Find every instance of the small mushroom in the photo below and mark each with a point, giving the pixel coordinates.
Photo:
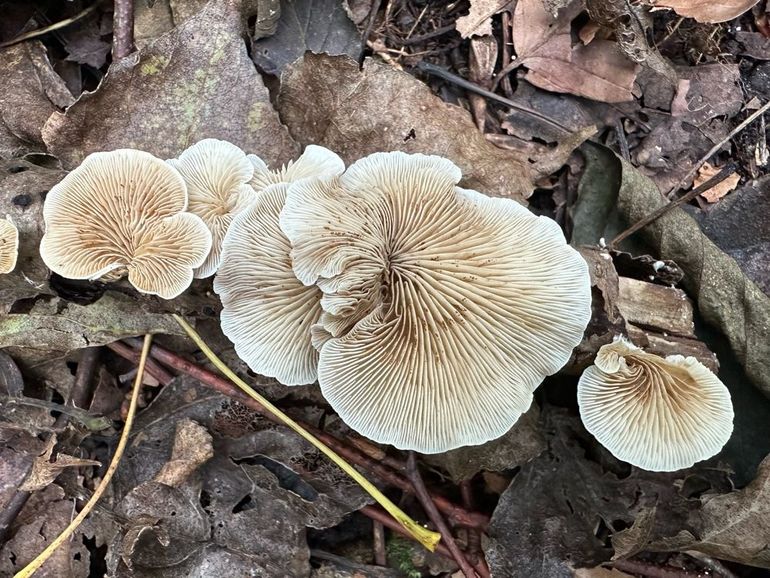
(217, 174)
(123, 212)
(660, 414)
(315, 161)
(443, 308)
(267, 313)
(9, 245)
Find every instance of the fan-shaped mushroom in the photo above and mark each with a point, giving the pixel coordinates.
(9, 245)
(660, 414)
(443, 308)
(267, 313)
(123, 212)
(315, 161)
(217, 174)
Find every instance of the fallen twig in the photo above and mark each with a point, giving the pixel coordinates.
(53, 27)
(433, 514)
(696, 167)
(122, 29)
(726, 171)
(33, 566)
(454, 512)
(434, 70)
(653, 571)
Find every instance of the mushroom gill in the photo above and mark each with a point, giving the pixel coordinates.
(443, 308)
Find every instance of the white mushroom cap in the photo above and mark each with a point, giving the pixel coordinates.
(9, 245)
(217, 174)
(123, 211)
(267, 313)
(443, 308)
(660, 414)
(315, 161)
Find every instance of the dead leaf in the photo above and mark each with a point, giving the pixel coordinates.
(709, 11)
(600, 572)
(327, 100)
(320, 26)
(738, 226)
(23, 187)
(545, 523)
(719, 190)
(44, 471)
(478, 21)
(544, 45)
(194, 82)
(523, 442)
(30, 91)
(192, 448)
(40, 522)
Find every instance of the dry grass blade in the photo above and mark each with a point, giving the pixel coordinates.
(35, 565)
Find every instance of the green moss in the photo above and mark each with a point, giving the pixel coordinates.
(400, 557)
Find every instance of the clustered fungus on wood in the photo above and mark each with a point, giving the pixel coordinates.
(428, 313)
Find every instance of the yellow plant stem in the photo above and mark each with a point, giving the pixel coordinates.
(424, 536)
(35, 565)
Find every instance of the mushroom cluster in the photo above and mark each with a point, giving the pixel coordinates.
(428, 313)
(660, 414)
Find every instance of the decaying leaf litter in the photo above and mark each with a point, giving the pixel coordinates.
(594, 114)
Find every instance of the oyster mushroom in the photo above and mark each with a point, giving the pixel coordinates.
(9, 245)
(315, 161)
(266, 312)
(443, 308)
(122, 212)
(217, 175)
(660, 414)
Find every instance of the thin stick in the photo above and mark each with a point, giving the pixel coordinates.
(696, 167)
(378, 543)
(35, 565)
(423, 535)
(455, 513)
(653, 571)
(433, 514)
(56, 26)
(713, 564)
(153, 368)
(369, 27)
(123, 29)
(434, 70)
(84, 375)
(715, 180)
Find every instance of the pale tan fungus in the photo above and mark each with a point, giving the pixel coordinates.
(315, 161)
(122, 212)
(9, 245)
(217, 174)
(443, 308)
(266, 312)
(659, 414)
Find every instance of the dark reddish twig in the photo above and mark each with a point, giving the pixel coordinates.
(153, 368)
(378, 541)
(433, 514)
(122, 29)
(456, 513)
(84, 376)
(726, 171)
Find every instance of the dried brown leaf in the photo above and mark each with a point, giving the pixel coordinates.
(478, 21)
(30, 91)
(44, 471)
(719, 190)
(194, 82)
(328, 101)
(544, 45)
(710, 11)
(192, 448)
